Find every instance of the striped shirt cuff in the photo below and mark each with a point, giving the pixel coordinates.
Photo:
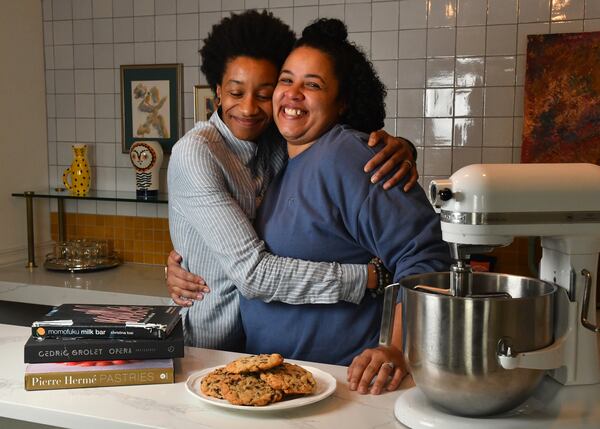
(354, 282)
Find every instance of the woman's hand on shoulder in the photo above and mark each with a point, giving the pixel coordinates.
(184, 287)
(397, 155)
(384, 366)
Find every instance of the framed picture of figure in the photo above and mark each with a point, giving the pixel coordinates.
(151, 104)
(204, 103)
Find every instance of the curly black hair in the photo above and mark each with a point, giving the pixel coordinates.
(359, 86)
(253, 34)
(258, 35)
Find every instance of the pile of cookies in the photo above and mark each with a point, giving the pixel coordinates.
(258, 380)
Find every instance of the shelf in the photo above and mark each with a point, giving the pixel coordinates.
(62, 194)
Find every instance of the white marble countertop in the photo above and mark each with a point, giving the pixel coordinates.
(170, 405)
(126, 284)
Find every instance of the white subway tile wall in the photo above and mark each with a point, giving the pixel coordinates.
(454, 70)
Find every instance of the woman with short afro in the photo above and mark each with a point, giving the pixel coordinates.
(216, 179)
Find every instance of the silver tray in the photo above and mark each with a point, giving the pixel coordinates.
(56, 264)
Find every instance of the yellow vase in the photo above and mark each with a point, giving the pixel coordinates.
(77, 177)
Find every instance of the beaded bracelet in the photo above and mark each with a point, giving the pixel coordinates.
(384, 277)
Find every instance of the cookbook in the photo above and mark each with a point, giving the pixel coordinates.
(107, 321)
(69, 375)
(71, 349)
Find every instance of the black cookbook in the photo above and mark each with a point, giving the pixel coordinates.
(107, 321)
(92, 349)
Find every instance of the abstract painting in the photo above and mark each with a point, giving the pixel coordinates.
(204, 103)
(151, 104)
(562, 99)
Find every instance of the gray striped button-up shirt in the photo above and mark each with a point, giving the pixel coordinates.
(212, 202)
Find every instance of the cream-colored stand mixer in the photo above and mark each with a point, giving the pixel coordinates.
(480, 348)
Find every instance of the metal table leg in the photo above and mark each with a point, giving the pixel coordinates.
(30, 240)
(61, 219)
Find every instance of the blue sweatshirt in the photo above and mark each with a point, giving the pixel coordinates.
(322, 207)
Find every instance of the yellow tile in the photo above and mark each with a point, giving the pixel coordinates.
(161, 258)
(167, 247)
(108, 231)
(157, 236)
(119, 221)
(128, 245)
(118, 244)
(129, 222)
(147, 222)
(109, 220)
(118, 233)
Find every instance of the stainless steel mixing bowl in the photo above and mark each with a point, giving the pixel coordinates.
(451, 343)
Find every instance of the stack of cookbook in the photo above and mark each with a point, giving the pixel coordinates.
(87, 345)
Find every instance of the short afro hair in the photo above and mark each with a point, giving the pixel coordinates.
(253, 34)
(359, 86)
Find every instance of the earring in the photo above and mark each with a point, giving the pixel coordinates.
(217, 101)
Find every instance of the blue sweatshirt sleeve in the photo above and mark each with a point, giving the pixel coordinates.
(399, 227)
(403, 230)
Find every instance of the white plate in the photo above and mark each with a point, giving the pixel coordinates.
(326, 385)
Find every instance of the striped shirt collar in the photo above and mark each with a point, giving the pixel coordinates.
(245, 150)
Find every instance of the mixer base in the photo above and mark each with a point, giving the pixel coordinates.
(552, 405)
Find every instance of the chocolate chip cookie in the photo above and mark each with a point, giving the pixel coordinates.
(249, 389)
(292, 379)
(211, 383)
(254, 363)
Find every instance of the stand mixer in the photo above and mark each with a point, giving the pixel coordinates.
(493, 337)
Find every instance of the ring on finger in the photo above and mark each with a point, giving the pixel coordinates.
(389, 364)
(409, 162)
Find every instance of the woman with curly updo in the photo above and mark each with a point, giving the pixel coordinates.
(217, 174)
(321, 208)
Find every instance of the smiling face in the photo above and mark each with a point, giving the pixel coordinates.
(305, 101)
(142, 156)
(246, 93)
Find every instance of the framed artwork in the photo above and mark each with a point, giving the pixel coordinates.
(151, 104)
(204, 103)
(562, 98)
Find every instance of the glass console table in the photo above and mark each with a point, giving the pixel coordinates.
(61, 194)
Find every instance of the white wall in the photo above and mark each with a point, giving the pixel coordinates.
(454, 70)
(23, 140)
